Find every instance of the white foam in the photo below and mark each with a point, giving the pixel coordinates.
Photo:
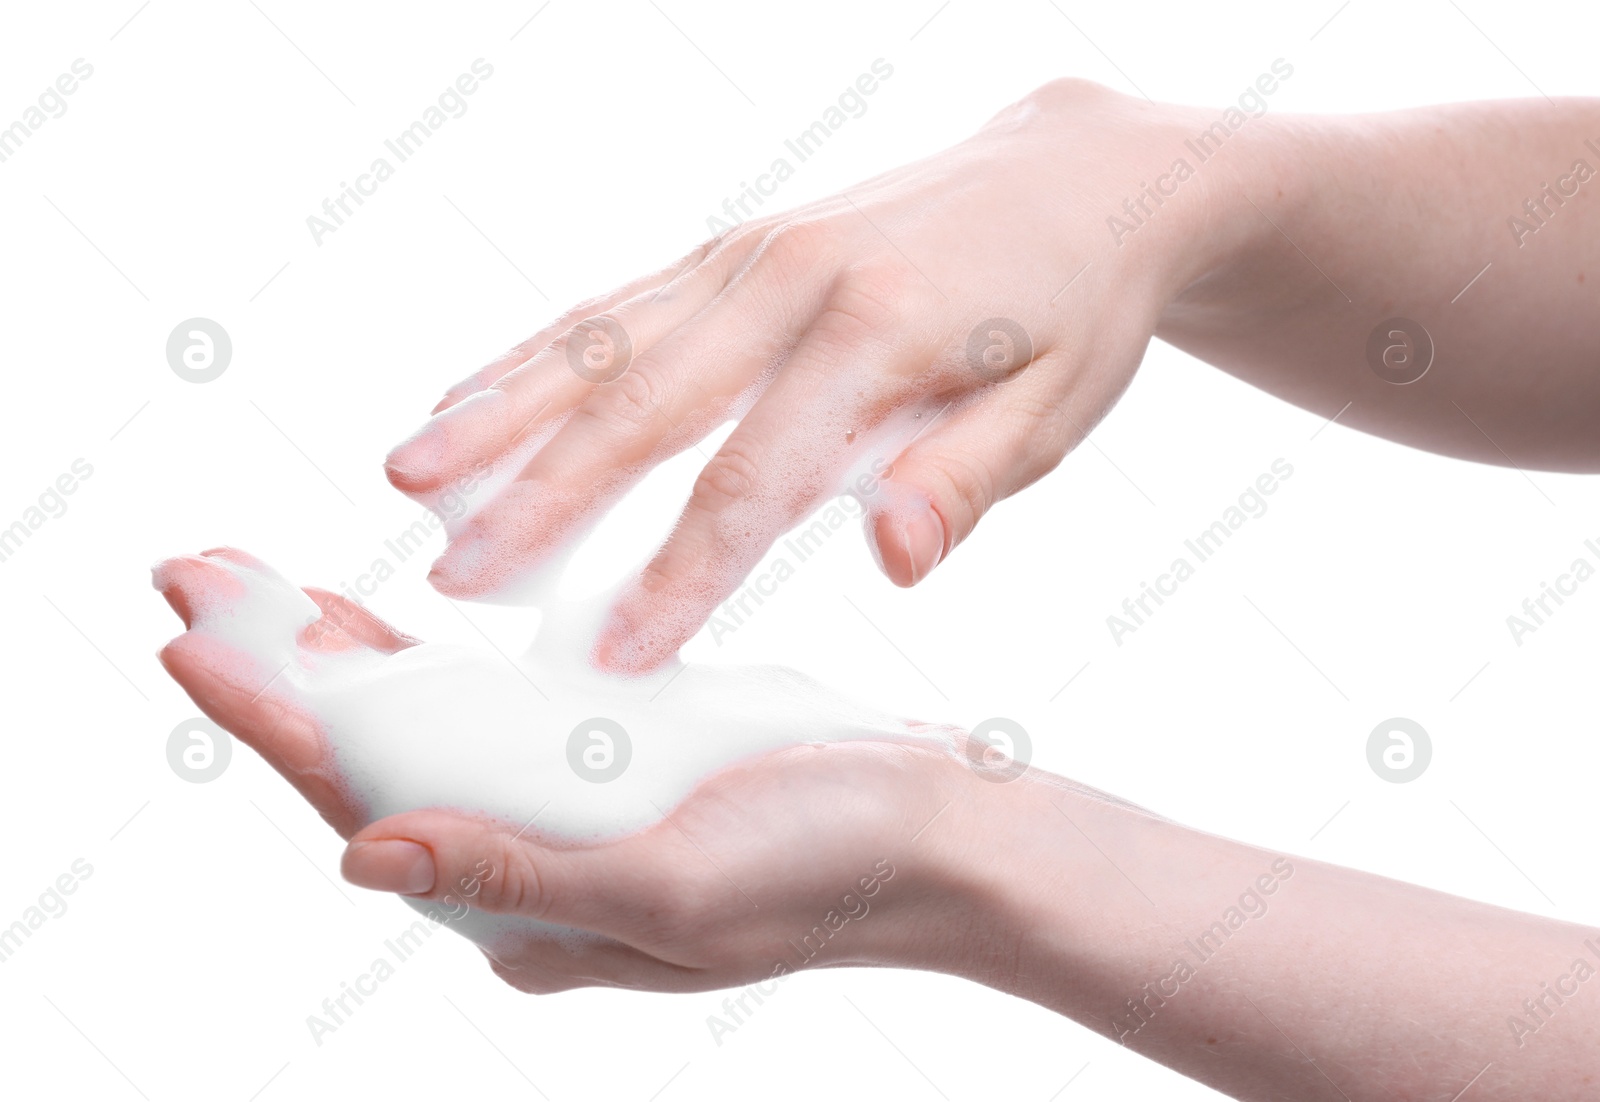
(440, 724)
(464, 727)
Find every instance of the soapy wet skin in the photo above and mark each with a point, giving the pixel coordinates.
(368, 722)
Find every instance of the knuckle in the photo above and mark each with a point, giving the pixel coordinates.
(1048, 435)
(968, 484)
(873, 298)
(746, 238)
(794, 248)
(512, 885)
(1068, 86)
(1048, 427)
(587, 308)
(1044, 419)
(1064, 91)
(629, 401)
(711, 248)
(698, 255)
(731, 476)
(1065, 97)
(564, 326)
(597, 348)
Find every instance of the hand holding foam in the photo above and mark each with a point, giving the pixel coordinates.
(474, 768)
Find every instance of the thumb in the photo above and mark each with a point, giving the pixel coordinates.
(946, 480)
(494, 866)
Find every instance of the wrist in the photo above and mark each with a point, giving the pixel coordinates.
(1256, 187)
(1160, 193)
(1006, 880)
(1068, 888)
(1248, 186)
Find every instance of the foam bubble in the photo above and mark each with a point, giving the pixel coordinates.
(533, 740)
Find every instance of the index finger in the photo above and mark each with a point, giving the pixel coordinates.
(535, 392)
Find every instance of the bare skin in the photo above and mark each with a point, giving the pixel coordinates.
(1262, 975)
(1276, 260)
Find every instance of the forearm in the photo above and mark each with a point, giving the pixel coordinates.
(1269, 976)
(1361, 219)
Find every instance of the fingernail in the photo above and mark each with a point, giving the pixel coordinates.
(415, 462)
(389, 865)
(401, 470)
(458, 572)
(610, 651)
(924, 540)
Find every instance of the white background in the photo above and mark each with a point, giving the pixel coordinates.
(210, 927)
